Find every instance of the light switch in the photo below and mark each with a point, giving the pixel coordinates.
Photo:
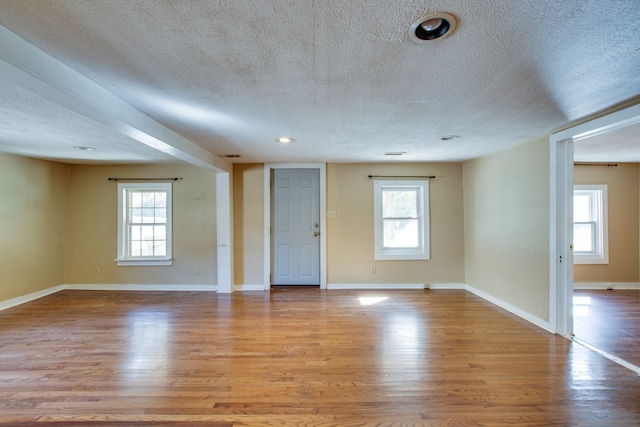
(332, 214)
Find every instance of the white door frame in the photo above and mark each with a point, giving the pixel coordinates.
(561, 209)
(561, 256)
(268, 167)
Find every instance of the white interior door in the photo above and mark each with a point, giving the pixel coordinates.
(296, 227)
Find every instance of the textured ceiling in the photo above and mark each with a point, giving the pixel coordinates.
(620, 145)
(33, 126)
(341, 77)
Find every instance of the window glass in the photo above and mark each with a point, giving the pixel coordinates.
(590, 229)
(402, 233)
(399, 203)
(144, 236)
(583, 237)
(581, 208)
(401, 219)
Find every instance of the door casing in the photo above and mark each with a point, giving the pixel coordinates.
(268, 167)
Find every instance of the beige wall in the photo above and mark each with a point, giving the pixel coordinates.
(33, 199)
(622, 193)
(350, 235)
(248, 223)
(350, 244)
(92, 219)
(506, 223)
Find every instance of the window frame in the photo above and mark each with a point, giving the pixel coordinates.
(599, 207)
(123, 257)
(422, 252)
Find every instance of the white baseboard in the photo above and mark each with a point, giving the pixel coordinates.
(461, 286)
(249, 287)
(606, 285)
(364, 286)
(139, 287)
(512, 309)
(29, 297)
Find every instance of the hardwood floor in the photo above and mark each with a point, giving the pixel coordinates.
(298, 357)
(610, 321)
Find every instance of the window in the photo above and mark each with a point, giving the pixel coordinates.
(401, 210)
(590, 237)
(144, 224)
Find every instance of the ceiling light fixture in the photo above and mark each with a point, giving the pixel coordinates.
(285, 140)
(449, 137)
(395, 153)
(84, 148)
(434, 26)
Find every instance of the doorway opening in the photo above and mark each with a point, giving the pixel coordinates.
(565, 310)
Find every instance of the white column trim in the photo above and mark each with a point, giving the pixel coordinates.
(224, 252)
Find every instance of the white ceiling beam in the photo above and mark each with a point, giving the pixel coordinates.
(26, 65)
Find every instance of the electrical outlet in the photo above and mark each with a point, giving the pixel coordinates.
(196, 271)
(96, 270)
(372, 269)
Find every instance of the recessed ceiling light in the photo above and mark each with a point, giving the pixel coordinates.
(449, 137)
(84, 148)
(434, 26)
(285, 140)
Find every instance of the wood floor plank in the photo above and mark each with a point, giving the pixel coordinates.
(300, 357)
(610, 321)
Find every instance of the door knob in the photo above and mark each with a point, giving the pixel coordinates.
(316, 233)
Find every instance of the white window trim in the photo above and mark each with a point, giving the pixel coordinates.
(122, 259)
(601, 254)
(423, 250)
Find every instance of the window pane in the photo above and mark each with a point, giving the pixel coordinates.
(134, 232)
(148, 215)
(159, 232)
(146, 232)
(135, 216)
(160, 248)
(161, 215)
(400, 233)
(583, 237)
(581, 208)
(148, 200)
(399, 203)
(134, 248)
(161, 199)
(146, 248)
(136, 199)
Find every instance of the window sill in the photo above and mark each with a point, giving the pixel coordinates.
(577, 259)
(143, 262)
(401, 256)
